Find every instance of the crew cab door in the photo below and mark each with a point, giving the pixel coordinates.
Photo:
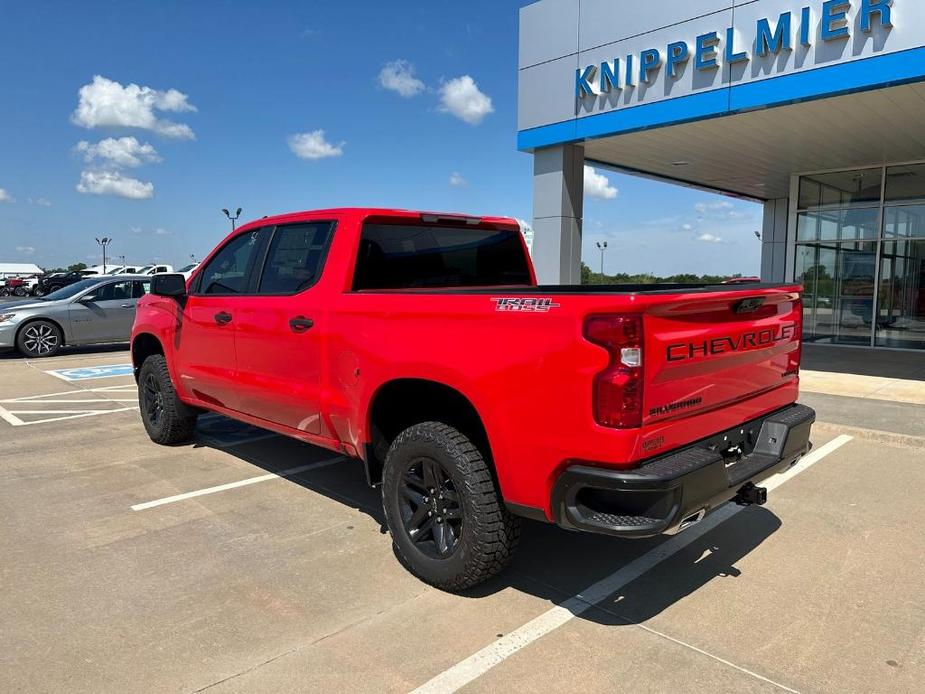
(280, 331)
(206, 352)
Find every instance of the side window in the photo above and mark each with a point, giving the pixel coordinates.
(296, 257)
(229, 272)
(114, 291)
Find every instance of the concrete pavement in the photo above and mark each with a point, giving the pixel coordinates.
(290, 584)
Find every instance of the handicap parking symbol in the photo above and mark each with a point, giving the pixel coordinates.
(87, 373)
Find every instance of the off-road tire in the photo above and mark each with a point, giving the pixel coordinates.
(488, 534)
(166, 419)
(38, 339)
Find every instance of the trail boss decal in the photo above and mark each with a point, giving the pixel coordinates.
(525, 305)
(721, 345)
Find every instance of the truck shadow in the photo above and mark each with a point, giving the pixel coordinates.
(551, 563)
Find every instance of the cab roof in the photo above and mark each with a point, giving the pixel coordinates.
(365, 212)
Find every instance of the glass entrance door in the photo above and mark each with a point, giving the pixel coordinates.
(860, 255)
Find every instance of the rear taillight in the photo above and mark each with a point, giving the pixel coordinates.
(618, 388)
(794, 358)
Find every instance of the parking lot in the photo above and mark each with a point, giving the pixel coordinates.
(249, 562)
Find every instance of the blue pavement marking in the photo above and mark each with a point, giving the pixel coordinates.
(86, 373)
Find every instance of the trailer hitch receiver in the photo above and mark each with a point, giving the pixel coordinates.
(750, 494)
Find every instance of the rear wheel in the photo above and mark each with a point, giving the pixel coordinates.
(448, 523)
(40, 338)
(166, 419)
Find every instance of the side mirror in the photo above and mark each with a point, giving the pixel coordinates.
(172, 285)
(87, 299)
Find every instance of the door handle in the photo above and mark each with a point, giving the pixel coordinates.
(300, 324)
(222, 318)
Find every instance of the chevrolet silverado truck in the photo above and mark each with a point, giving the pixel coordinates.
(421, 344)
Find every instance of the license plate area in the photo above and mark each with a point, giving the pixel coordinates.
(734, 444)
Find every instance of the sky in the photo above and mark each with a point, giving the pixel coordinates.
(140, 121)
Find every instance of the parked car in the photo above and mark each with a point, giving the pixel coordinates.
(154, 269)
(14, 286)
(89, 311)
(188, 270)
(58, 280)
(421, 344)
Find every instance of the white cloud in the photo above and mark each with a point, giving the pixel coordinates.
(41, 202)
(457, 180)
(709, 238)
(6, 197)
(114, 183)
(106, 103)
(687, 227)
(721, 210)
(26, 250)
(718, 206)
(398, 76)
(118, 153)
(313, 145)
(598, 185)
(462, 98)
(160, 231)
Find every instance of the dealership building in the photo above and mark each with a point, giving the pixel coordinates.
(814, 108)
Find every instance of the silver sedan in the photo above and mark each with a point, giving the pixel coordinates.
(91, 311)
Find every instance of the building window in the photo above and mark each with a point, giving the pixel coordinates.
(860, 254)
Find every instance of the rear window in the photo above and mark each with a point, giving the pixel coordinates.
(404, 257)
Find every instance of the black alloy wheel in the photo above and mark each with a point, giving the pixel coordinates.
(153, 409)
(448, 522)
(430, 508)
(166, 418)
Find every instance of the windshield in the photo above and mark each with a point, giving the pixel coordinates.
(70, 290)
(188, 267)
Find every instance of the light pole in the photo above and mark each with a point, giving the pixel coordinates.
(234, 218)
(602, 247)
(105, 241)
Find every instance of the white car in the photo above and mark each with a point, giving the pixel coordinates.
(188, 270)
(155, 269)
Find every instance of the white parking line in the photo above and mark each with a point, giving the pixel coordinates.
(108, 394)
(479, 663)
(234, 485)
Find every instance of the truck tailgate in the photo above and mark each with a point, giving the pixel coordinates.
(711, 350)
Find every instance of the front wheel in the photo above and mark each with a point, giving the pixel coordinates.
(167, 420)
(448, 523)
(39, 338)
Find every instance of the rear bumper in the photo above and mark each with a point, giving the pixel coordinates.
(667, 494)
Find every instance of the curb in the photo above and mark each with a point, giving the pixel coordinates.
(886, 437)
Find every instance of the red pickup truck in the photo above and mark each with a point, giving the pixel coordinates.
(421, 344)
